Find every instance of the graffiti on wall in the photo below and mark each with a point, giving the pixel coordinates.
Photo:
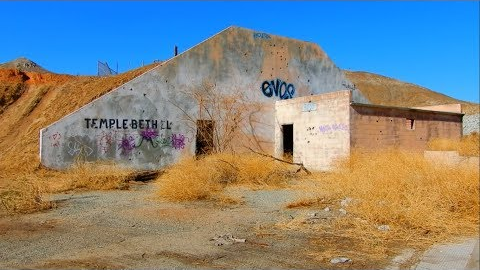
(105, 140)
(78, 148)
(127, 144)
(123, 135)
(112, 123)
(178, 141)
(326, 129)
(55, 139)
(261, 35)
(349, 86)
(278, 88)
(151, 136)
(333, 127)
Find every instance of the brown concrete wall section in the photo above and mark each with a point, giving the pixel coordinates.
(455, 108)
(321, 130)
(380, 127)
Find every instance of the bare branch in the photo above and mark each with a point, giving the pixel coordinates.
(281, 160)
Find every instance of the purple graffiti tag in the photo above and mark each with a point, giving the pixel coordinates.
(333, 127)
(105, 141)
(149, 134)
(55, 139)
(325, 128)
(127, 144)
(178, 141)
(339, 127)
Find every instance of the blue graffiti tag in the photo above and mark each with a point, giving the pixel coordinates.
(279, 88)
(261, 35)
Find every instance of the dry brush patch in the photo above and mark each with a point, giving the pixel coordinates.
(23, 195)
(468, 145)
(421, 203)
(26, 192)
(206, 178)
(97, 176)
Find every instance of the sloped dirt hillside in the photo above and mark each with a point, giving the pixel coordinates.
(390, 92)
(30, 101)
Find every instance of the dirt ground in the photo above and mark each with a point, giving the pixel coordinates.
(132, 229)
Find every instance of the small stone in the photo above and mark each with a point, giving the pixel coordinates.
(227, 239)
(346, 201)
(340, 260)
(383, 228)
(313, 215)
(342, 211)
(239, 240)
(326, 209)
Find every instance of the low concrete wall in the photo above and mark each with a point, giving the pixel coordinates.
(376, 127)
(451, 158)
(455, 108)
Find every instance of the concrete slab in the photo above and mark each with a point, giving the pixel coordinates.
(463, 255)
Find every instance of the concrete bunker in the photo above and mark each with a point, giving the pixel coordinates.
(328, 126)
(221, 94)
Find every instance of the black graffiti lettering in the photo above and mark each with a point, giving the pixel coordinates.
(111, 123)
(103, 122)
(94, 124)
(88, 122)
(279, 88)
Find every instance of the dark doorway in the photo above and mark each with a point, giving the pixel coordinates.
(287, 142)
(204, 142)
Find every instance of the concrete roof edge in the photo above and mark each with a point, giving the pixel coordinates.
(137, 77)
(402, 108)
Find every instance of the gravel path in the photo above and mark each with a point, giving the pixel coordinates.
(131, 229)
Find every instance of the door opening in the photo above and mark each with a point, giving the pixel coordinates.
(204, 140)
(287, 142)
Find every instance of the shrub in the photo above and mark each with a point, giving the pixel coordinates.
(206, 178)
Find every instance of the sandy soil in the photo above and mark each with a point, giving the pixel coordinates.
(132, 229)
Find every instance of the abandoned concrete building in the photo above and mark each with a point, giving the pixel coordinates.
(239, 89)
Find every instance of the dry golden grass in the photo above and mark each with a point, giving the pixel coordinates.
(94, 176)
(420, 202)
(23, 196)
(24, 192)
(206, 178)
(468, 145)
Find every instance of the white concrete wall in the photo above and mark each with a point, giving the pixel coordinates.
(321, 128)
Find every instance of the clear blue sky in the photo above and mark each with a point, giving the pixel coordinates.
(432, 44)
